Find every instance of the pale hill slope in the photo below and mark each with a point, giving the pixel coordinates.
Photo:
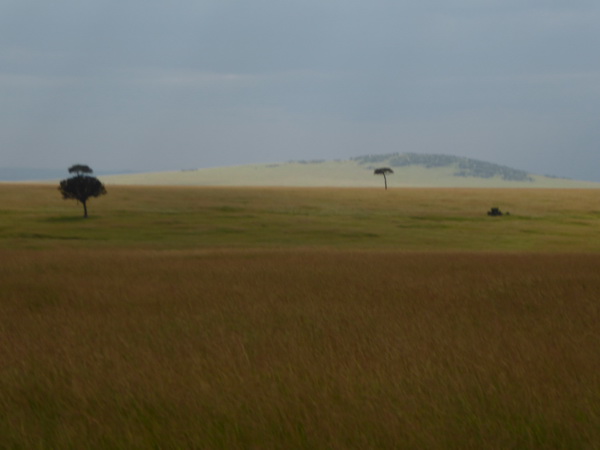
(410, 170)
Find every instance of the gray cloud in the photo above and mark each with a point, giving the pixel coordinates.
(150, 86)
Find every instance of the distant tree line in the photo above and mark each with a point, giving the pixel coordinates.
(465, 167)
(312, 161)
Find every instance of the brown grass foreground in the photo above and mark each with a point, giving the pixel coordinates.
(298, 349)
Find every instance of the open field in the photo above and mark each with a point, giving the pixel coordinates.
(35, 216)
(299, 318)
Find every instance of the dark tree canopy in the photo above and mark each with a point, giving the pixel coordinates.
(80, 169)
(383, 171)
(81, 187)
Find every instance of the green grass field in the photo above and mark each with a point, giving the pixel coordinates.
(239, 318)
(35, 216)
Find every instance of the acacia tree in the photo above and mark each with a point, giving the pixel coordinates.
(384, 171)
(80, 169)
(82, 186)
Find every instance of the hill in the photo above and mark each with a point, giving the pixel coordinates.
(410, 170)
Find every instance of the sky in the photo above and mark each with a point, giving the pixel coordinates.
(148, 85)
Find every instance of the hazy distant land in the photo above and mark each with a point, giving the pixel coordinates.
(410, 170)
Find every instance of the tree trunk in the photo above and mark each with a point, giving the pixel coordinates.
(385, 181)
(84, 210)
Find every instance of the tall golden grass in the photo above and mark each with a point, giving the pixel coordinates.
(298, 348)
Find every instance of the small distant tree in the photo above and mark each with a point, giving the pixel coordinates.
(384, 171)
(82, 186)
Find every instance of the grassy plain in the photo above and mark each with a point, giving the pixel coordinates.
(299, 318)
(35, 216)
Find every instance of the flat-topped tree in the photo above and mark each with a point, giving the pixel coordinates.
(384, 171)
(80, 169)
(82, 186)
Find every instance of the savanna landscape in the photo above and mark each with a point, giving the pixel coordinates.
(237, 317)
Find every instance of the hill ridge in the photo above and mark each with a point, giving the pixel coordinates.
(410, 170)
(465, 167)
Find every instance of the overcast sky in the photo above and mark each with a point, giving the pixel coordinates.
(155, 85)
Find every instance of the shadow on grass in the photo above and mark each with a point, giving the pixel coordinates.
(48, 236)
(67, 219)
